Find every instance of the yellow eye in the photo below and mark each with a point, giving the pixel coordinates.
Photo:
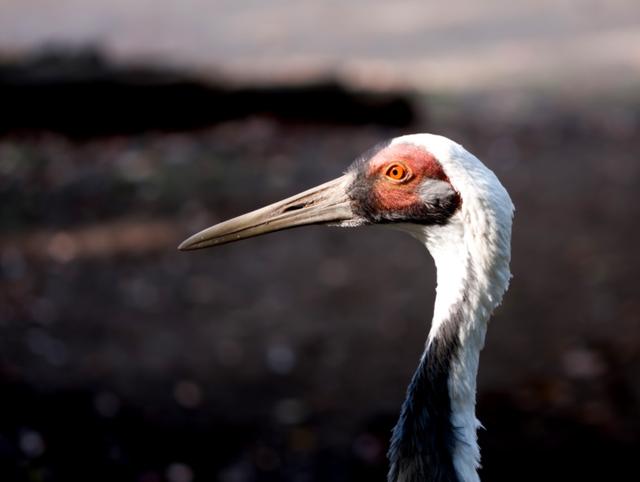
(396, 172)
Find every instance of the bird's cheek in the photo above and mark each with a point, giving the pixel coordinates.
(395, 198)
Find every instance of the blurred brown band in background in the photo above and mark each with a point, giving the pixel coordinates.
(81, 94)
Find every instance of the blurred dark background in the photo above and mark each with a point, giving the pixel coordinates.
(127, 125)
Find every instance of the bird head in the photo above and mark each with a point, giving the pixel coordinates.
(409, 181)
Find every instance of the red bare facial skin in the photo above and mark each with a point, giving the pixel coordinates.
(398, 195)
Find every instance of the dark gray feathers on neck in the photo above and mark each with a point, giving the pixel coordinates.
(423, 439)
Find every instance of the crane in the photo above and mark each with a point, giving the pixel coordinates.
(446, 198)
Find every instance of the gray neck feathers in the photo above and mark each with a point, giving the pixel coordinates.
(425, 439)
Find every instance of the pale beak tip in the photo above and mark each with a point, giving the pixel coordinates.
(188, 244)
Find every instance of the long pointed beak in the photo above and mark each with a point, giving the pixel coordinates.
(328, 203)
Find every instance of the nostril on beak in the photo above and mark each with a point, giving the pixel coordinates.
(296, 207)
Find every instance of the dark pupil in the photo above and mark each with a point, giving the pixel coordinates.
(395, 172)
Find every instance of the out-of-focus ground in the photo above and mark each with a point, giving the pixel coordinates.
(289, 354)
(286, 357)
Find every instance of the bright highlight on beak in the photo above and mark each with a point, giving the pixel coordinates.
(324, 204)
